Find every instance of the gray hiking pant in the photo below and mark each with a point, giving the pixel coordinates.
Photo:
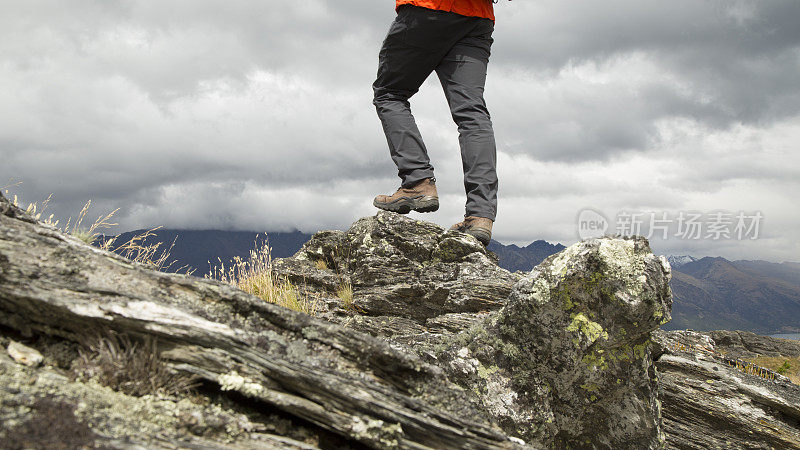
(419, 42)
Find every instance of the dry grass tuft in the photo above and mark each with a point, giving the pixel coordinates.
(151, 255)
(788, 367)
(130, 367)
(256, 276)
(136, 249)
(74, 227)
(345, 293)
(344, 290)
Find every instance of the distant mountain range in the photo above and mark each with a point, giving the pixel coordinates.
(709, 293)
(203, 250)
(714, 293)
(515, 258)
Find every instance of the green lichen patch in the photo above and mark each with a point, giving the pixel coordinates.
(595, 360)
(484, 372)
(592, 331)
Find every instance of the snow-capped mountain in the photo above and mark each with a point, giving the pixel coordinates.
(678, 260)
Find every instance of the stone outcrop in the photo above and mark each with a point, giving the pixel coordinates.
(466, 355)
(547, 363)
(743, 344)
(407, 276)
(711, 400)
(566, 360)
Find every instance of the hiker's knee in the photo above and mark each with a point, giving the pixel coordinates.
(387, 102)
(472, 116)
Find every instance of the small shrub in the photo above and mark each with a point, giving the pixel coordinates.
(784, 368)
(129, 367)
(256, 276)
(320, 264)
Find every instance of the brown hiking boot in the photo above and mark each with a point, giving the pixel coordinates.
(421, 197)
(480, 227)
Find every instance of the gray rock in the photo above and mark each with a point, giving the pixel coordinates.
(567, 359)
(709, 402)
(743, 344)
(336, 380)
(122, 421)
(400, 267)
(442, 349)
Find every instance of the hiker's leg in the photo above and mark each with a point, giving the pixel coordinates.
(462, 73)
(409, 54)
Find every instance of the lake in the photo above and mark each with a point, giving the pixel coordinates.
(795, 336)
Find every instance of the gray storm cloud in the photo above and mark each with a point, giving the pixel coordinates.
(258, 116)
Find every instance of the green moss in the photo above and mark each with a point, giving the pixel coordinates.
(623, 353)
(585, 287)
(509, 350)
(658, 314)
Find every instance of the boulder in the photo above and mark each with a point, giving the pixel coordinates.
(400, 268)
(566, 360)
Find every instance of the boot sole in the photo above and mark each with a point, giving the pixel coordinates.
(481, 235)
(404, 205)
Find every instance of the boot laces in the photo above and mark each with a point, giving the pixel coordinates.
(462, 226)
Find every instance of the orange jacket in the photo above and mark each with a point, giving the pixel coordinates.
(470, 8)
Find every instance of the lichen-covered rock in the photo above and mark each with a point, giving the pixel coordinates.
(334, 380)
(566, 360)
(467, 355)
(400, 267)
(711, 400)
(117, 420)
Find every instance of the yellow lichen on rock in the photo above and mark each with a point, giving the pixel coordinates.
(592, 330)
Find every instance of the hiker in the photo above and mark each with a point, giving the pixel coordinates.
(453, 38)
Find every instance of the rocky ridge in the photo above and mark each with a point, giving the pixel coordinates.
(548, 363)
(711, 399)
(439, 348)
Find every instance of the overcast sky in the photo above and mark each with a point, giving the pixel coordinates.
(257, 115)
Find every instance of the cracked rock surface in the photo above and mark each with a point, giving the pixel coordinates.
(710, 403)
(440, 348)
